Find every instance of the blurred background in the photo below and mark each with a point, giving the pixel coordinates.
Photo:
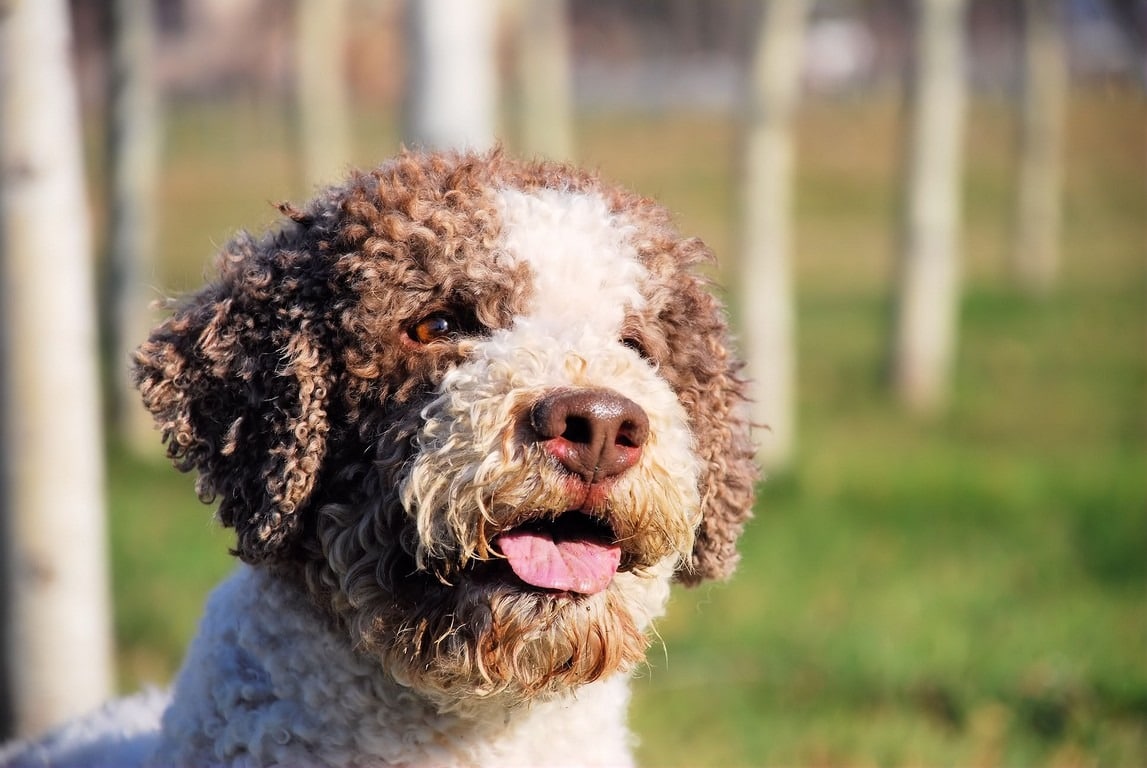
(930, 218)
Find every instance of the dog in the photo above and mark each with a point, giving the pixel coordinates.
(469, 419)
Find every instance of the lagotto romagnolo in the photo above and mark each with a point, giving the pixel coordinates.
(469, 418)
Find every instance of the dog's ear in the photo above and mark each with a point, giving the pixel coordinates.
(709, 384)
(238, 381)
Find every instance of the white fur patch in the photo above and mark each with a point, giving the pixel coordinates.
(586, 272)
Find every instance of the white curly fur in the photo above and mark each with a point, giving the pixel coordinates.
(270, 681)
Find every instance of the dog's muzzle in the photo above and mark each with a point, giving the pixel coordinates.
(594, 435)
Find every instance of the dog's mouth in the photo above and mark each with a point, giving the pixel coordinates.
(575, 552)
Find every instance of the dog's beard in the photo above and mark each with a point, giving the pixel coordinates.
(481, 635)
(479, 639)
(458, 625)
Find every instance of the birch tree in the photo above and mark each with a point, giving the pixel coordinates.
(766, 283)
(133, 167)
(1038, 205)
(57, 634)
(542, 66)
(322, 99)
(927, 294)
(451, 81)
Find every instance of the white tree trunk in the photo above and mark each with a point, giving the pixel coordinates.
(451, 81)
(133, 167)
(929, 279)
(1036, 247)
(542, 63)
(322, 100)
(59, 640)
(766, 285)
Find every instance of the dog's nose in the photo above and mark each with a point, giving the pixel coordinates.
(594, 433)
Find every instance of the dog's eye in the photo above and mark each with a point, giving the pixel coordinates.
(433, 328)
(635, 344)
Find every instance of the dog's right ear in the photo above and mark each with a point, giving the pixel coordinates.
(238, 381)
(714, 394)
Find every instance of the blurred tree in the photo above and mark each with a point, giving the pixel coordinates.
(766, 290)
(927, 294)
(322, 99)
(134, 129)
(1037, 229)
(7, 616)
(58, 632)
(541, 44)
(451, 82)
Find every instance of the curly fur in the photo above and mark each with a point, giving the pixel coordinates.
(368, 471)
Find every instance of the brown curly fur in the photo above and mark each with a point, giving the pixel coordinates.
(291, 386)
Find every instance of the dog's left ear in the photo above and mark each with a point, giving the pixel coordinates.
(238, 381)
(710, 386)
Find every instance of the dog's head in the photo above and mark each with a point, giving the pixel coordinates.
(485, 411)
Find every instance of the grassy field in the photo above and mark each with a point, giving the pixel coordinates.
(967, 591)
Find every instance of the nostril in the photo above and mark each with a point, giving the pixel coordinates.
(627, 437)
(577, 430)
(633, 430)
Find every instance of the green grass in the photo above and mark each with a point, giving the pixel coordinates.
(970, 590)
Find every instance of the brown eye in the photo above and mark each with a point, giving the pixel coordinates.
(636, 345)
(432, 328)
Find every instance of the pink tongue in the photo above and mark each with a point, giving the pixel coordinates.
(573, 565)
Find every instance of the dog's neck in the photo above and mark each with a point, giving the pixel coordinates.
(269, 682)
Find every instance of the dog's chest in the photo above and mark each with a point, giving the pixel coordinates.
(265, 683)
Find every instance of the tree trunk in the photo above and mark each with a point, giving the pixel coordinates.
(766, 286)
(1036, 247)
(924, 339)
(58, 636)
(322, 100)
(133, 167)
(543, 75)
(451, 83)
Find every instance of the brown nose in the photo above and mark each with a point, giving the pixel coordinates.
(594, 433)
